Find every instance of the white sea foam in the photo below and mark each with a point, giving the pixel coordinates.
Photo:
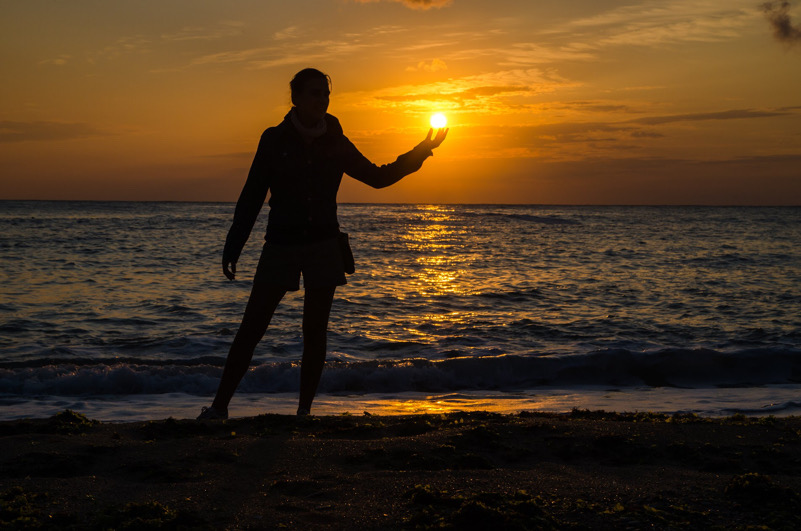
(674, 368)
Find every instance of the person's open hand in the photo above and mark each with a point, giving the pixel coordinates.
(229, 269)
(431, 143)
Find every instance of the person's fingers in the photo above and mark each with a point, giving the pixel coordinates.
(441, 134)
(229, 270)
(430, 132)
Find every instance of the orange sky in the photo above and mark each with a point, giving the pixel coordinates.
(569, 102)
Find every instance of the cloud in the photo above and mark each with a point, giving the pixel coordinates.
(270, 56)
(424, 4)
(569, 139)
(44, 131)
(434, 66)
(414, 4)
(646, 134)
(287, 33)
(737, 114)
(61, 60)
(477, 92)
(531, 53)
(514, 55)
(594, 106)
(483, 99)
(152, 43)
(655, 23)
(288, 49)
(199, 33)
(135, 44)
(457, 96)
(501, 92)
(778, 14)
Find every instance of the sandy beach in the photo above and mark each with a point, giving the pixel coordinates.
(459, 470)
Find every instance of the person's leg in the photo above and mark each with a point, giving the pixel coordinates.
(264, 299)
(316, 309)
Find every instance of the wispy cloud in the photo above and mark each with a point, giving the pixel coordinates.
(527, 53)
(152, 43)
(435, 65)
(556, 141)
(11, 131)
(606, 134)
(61, 60)
(468, 47)
(290, 32)
(202, 33)
(485, 93)
(654, 23)
(413, 4)
(138, 44)
(287, 48)
(461, 96)
(736, 114)
(597, 106)
(270, 56)
(778, 14)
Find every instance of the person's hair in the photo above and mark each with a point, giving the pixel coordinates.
(298, 82)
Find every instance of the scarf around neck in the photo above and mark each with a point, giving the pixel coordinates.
(309, 133)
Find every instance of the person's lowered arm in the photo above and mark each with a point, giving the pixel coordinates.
(247, 210)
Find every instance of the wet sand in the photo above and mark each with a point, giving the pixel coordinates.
(458, 470)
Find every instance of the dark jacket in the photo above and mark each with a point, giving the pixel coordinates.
(303, 180)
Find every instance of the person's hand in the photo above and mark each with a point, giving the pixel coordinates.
(229, 269)
(431, 143)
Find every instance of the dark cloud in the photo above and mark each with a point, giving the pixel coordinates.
(646, 134)
(43, 131)
(598, 107)
(737, 114)
(558, 133)
(778, 14)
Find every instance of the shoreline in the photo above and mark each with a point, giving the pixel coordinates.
(777, 400)
(584, 469)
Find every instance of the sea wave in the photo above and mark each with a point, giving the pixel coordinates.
(620, 368)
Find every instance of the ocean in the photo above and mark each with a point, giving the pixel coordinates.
(120, 311)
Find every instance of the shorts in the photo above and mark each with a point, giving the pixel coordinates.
(319, 262)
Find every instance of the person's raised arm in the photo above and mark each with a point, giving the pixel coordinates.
(247, 210)
(360, 168)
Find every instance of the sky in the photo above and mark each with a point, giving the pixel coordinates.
(549, 102)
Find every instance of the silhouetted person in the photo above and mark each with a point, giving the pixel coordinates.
(300, 162)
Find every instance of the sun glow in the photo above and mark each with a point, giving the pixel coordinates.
(438, 120)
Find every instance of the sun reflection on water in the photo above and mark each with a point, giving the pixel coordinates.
(432, 240)
(416, 404)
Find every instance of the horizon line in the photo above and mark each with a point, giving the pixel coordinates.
(721, 205)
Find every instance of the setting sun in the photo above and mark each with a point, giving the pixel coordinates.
(438, 120)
